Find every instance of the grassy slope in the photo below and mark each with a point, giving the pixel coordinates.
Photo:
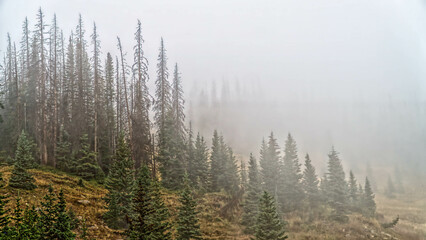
(213, 226)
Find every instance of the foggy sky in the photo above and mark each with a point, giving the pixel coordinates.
(364, 57)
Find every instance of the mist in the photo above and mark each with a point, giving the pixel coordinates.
(349, 74)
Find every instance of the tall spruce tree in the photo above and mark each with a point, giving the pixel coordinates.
(120, 185)
(252, 196)
(290, 189)
(336, 187)
(269, 225)
(310, 184)
(164, 122)
(140, 117)
(150, 216)
(216, 163)
(188, 226)
(269, 163)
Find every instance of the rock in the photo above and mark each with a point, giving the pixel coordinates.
(83, 201)
(94, 227)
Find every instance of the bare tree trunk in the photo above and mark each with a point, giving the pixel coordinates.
(123, 69)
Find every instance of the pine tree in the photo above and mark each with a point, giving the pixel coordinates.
(164, 121)
(21, 178)
(269, 225)
(48, 214)
(216, 163)
(150, 216)
(187, 223)
(252, 196)
(120, 185)
(230, 181)
(62, 226)
(140, 118)
(290, 189)
(4, 215)
(353, 191)
(269, 163)
(160, 225)
(310, 184)
(24, 151)
(243, 174)
(198, 168)
(336, 187)
(87, 166)
(369, 205)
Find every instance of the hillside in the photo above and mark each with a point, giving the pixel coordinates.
(87, 203)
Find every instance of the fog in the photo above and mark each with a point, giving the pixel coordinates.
(344, 73)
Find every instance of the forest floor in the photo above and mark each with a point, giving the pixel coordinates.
(87, 203)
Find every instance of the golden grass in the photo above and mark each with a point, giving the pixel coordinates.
(412, 212)
(92, 192)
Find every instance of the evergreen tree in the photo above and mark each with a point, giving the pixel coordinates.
(140, 118)
(290, 189)
(87, 166)
(24, 151)
(310, 184)
(4, 215)
(216, 163)
(150, 216)
(48, 214)
(120, 185)
(21, 178)
(269, 225)
(252, 196)
(198, 169)
(230, 180)
(243, 174)
(62, 226)
(353, 191)
(269, 163)
(160, 225)
(336, 187)
(141, 207)
(369, 205)
(187, 223)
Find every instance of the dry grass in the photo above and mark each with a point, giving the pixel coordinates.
(412, 212)
(92, 192)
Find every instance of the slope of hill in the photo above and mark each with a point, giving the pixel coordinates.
(87, 203)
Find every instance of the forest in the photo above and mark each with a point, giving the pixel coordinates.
(74, 113)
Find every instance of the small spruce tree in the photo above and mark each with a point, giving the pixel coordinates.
(252, 196)
(24, 151)
(87, 166)
(353, 191)
(187, 223)
(269, 225)
(369, 205)
(21, 178)
(62, 226)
